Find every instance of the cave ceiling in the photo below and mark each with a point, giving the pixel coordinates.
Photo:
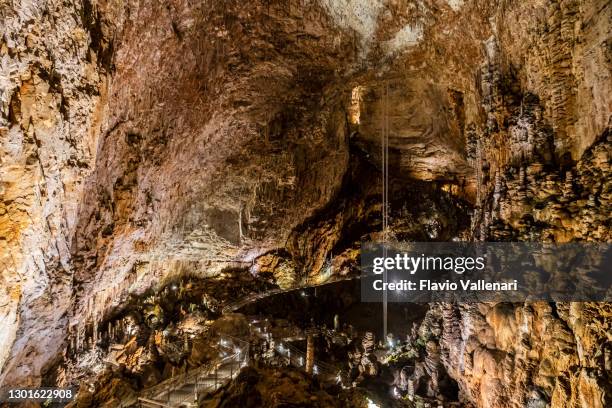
(141, 140)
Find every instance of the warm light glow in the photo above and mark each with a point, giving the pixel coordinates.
(355, 109)
(371, 404)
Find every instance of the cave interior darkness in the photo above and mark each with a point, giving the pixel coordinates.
(186, 187)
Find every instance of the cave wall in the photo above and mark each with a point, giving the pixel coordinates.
(141, 139)
(222, 128)
(542, 163)
(233, 133)
(52, 103)
(537, 353)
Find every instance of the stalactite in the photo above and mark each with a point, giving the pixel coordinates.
(73, 344)
(496, 192)
(78, 340)
(568, 186)
(95, 329)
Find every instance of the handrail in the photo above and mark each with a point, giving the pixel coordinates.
(172, 384)
(169, 383)
(185, 378)
(199, 375)
(294, 351)
(222, 379)
(239, 340)
(153, 402)
(232, 307)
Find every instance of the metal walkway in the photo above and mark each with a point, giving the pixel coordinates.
(185, 390)
(239, 304)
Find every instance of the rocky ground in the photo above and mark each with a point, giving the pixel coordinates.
(282, 387)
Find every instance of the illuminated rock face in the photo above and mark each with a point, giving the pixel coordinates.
(52, 103)
(142, 141)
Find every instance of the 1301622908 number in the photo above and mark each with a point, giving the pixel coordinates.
(39, 394)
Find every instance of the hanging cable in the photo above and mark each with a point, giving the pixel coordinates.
(385, 192)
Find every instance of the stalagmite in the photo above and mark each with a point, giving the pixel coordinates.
(310, 353)
(145, 145)
(411, 389)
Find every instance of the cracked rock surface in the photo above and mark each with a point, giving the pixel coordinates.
(142, 140)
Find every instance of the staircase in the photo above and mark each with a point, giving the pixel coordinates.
(185, 390)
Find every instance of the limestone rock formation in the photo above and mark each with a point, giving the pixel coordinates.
(144, 141)
(264, 387)
(54, 67)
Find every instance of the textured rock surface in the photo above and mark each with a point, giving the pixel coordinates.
(542, 161)
(52, 102)
(277, 388)
(145, 139)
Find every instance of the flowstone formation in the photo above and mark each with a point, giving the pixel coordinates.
(239, 144)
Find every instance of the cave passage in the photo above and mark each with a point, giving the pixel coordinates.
(187, 188)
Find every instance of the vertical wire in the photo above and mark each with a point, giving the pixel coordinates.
(385, 170)
(386, 164)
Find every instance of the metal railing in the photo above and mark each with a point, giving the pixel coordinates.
(239, 304)
(297, 358)
(184, 389)
(207, 378)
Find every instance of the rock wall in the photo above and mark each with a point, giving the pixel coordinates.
(143, 139)
(52, 101)
(542, 162)
(217, 128)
